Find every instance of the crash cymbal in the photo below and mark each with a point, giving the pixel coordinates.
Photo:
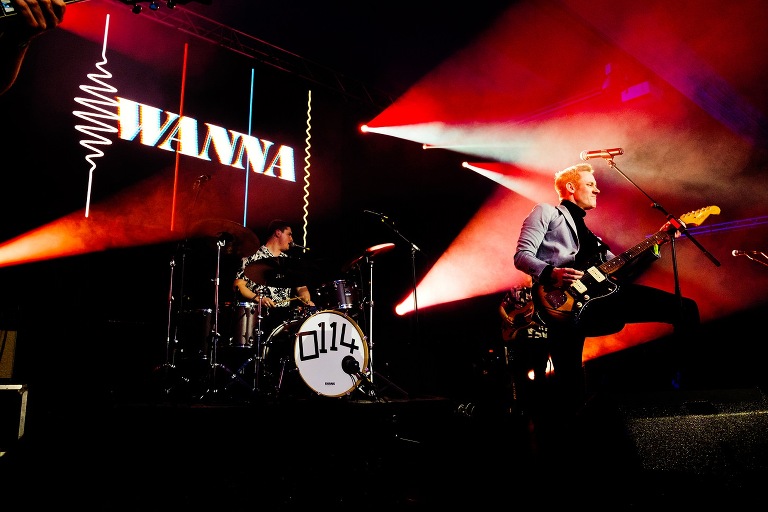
(243, 240)
(378, 249)
(281, 272)
(370, 253)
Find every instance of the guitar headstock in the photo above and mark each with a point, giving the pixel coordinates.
(696, 217)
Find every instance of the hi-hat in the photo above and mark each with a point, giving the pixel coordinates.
(243, 240)
(281, 272)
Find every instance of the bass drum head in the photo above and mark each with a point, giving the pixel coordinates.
(324, 344)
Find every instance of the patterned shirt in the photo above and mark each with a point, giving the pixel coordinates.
(281, 296)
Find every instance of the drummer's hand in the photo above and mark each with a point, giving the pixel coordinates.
(266, 302)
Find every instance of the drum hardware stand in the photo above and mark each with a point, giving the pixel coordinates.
(215, 365)
(168, 365)
(258, 357)
(170, 360)
(370, 373)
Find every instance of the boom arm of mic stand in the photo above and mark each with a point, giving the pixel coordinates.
(391, 225)
(676, 223)
(679, 226)
(673, 221)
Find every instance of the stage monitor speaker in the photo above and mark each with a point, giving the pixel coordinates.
(716, 440)
(13, 414)
(7, 353)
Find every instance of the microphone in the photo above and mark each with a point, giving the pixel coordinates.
(350, 365)
(737, 252)
(299, 247)
(376, 214)
(601, 153)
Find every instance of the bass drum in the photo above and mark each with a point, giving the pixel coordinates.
(326, 346)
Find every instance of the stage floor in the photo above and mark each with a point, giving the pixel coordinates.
(392, 452)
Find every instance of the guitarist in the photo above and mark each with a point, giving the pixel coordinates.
(27, 19)
(554, 247)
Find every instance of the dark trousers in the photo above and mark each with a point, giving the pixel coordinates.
(523, 356)
(631, 303)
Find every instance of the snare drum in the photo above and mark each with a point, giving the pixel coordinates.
(340, 294)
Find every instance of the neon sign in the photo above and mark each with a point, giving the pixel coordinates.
(171, 132)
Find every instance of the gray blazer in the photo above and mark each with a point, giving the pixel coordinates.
(547, 237)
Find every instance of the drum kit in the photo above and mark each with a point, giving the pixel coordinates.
(224, 353)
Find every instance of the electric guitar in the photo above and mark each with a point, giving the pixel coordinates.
(8, 10)
(567, 304)
(521, 319)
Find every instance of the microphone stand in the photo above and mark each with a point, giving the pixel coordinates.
(763, 262)
(677, 224)
(414, 249)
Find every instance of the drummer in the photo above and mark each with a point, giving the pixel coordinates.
(261, 288)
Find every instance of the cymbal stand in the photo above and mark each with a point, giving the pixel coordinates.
(258, 356)
(215, 365)
(169, 364)
(370, 371)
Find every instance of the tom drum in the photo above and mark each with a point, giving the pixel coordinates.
(341, 295)
(244, 323)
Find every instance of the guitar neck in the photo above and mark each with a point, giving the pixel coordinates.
(615, 264)
(8, 10)
(694, 218)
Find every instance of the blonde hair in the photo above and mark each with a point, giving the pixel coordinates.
(570, 174)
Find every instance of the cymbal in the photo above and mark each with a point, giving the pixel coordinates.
(242, 239)
(378, 249)
(280, 272)
(370, 253)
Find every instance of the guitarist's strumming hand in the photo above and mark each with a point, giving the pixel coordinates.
(565, 276)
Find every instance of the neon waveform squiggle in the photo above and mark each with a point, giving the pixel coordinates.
(306, 164)
(102, 110)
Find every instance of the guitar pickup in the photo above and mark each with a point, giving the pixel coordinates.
(7, 7)
(596, 274)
